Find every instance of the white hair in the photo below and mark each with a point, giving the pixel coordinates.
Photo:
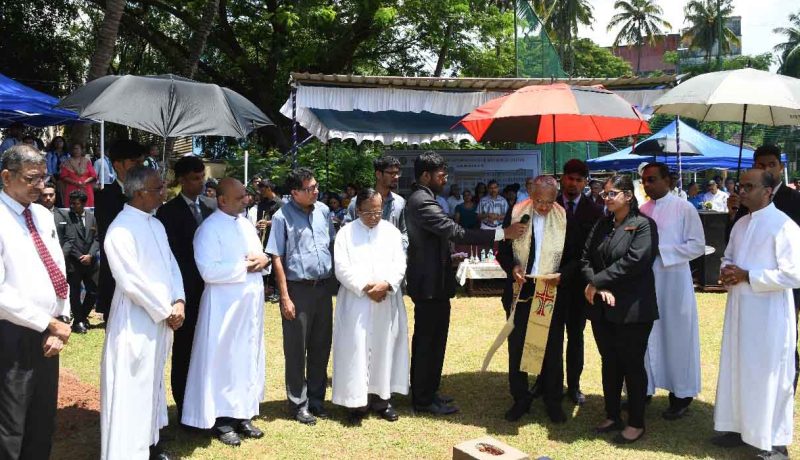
(135, 179)
(545, 181)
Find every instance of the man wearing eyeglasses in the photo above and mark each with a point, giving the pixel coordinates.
(34, 308)
(300, 244)
(431, 278)
(755, 400)
(387, 178)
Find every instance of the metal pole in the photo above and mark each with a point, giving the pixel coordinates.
(293, 151)
(719, 36)
(516, 44)
(102, 154)
(554, 145)
(741, 145)
(678, 149)
(246, 164)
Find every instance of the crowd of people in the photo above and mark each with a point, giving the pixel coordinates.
(186, 278)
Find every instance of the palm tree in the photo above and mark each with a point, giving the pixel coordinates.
(562, 18)
(702, 15)
(790, 49)
(641, 21)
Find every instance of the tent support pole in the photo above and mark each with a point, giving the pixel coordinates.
(554, 146)
(678, 149)
(294, 127)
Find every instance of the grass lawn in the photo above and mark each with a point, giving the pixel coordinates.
(483, 398)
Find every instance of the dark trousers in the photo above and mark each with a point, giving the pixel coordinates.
(181, 355)
(622, 348)
(428, 346)
(86, 274)
(28, 394)
(796, 296)
(518, 380)
(572, 319)
(307, 343)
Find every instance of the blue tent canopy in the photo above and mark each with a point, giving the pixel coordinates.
(19, 103)
(714, 154)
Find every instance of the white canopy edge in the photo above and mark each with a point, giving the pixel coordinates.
(450, 103)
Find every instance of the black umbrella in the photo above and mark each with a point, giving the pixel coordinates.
(167, 105)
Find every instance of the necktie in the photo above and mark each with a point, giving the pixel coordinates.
(571, 208)
(196, 211)
(82, 224)
(56, 277)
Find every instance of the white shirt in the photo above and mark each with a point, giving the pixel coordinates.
(452, 202)
(105, 171)
(538, 236)
(27, 296)
(719, 200)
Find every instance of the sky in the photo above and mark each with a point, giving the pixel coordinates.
(759, 17)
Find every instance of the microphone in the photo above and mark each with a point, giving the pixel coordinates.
(525, 219)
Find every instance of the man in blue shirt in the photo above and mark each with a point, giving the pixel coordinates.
(300, 244)
(13, 136)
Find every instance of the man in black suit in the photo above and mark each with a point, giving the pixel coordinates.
(81, 248)
(48, 200)
(431, 279)
(785, 198)
(123, 154)
(571, 309)
(181, 216)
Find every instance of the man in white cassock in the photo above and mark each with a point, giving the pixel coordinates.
(370, 332)
(227, 369)
(755, 399)
(672, 359)
(147, 306)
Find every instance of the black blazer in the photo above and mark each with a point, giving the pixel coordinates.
(180, 225)
(78, 242)
(429, 272)
(107, 204)
(60, 218)
(621, 261)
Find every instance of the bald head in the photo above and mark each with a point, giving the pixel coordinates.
(231, 196)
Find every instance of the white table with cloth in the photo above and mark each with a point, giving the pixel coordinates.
(470, 271)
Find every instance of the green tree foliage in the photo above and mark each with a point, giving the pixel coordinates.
(789, 50)
(592, 60)
(641, 22)
(39, 45)
(703, 17)
(561, 19)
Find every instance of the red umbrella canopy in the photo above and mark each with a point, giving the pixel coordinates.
(555, 113)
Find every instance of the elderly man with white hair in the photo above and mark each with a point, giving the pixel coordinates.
(148, 305)
(533, 266)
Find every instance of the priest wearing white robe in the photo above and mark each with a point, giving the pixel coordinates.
(370, 333)
(227, 370)
(148, 304)
(672, 360)
(755, 399)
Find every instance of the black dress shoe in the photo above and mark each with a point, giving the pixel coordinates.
(318, 411)
(156, 453)
(389, 414)
(80, 328)
(229, 438)
(619, 439)
(443, 399)
(674, 413)
(436, 408)
(777, 453)
(355, 417)
(728, 440)
(304, 416)
(577, 397)
(517, 410)
(248, 430)
(556, 413)
(616, 426)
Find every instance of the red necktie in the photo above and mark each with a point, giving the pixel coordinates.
(56, 277)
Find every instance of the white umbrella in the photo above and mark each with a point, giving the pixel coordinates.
(744, 95)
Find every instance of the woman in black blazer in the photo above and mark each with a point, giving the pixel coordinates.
(617, 263)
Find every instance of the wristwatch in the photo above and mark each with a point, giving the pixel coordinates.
(63, 318)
